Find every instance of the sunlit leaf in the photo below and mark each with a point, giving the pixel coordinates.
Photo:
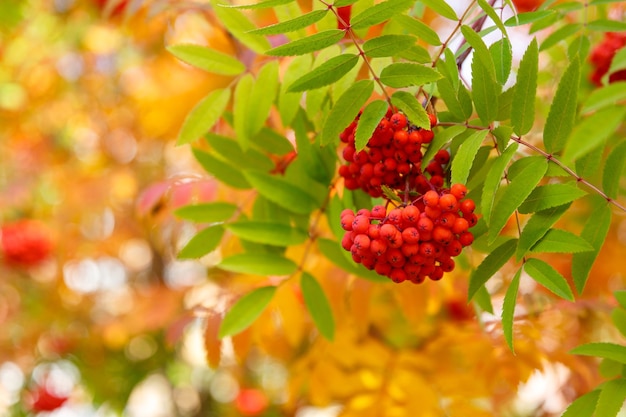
(593, 132)
(481, 52)
(595, 233)
(551, 195)
(490, 265)
(464, 157)
(523, 107)
(203, 242)
(419, 29)
(239, 26)
(258, 264)
(387, 45)
(246, 310)
(618, 317)
(606, 25)
(559, 35)
(207, 59)
(412, 108)
(372, 114)
(442, 8)
(379, 13)
(293, 24)
(261, 98)
(611, 398)
(611, 351)
(561, 241)
(494, 179)
(562, 113)
(345, 110)
(583, 406)
(405, 74)
(549, 277)
(221, 170)
(508, 309)
(485, 91)
(311, 43)
(326, 74)
(270, 233)
(502, 54)
(620, 296)
(281, 192)
(317, 303)
(241, 112)
(515, 193)
(230, 150)
(207, 212)
(203, 116)
(537, 227)
(529, 17)
(289, 103)
(605, 96)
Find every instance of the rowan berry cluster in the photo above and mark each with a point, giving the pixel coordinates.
(415, 241)
(392, 157)
(602, 56)
(427, 225)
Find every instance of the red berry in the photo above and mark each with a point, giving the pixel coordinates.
(460, 225)
(459, 191)
(433, 120)
(398, 121)
(466, 238)
(448, 202)
(442, 157)
(398, 275)
(360, 224)
(431, 198)
(467, 206)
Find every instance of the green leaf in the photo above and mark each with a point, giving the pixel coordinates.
(221, 170)
(260, 5)
(508, 309)
(203, 116)
(293, 24)
(262, 97)
(560, 34)
(611, 398)
(464, 157)
(593, 132)
(485, 92)
(341, 3)
(345, 110)
(611, 351)
(207, 59)
(606, 25)
(379, 13)
(618, 316)
(620, 296)
(613, 169)
(529, 17)
(207, 212)
(239, 26)
(281, 192)
(595, 233)
(289, 103)
(269, 233)
(493, 180)
(441, 8)
(550, 195)
(272, 142)
(490, 265)
(481, 52)
(318, 305)
(488, 9)
(537, 227)
(561, 241)
(258, 264)
(326, 74)
(440, 139)
(562, 112)
(523, 109)
(606, 96)
(241, 110)
(515, 193)
(334, 252)
(483, 300)
(415, 53)
(547, 276)
(448, 68)
(231, 151)
(203, 242)
(412, 108)
(372, 114)
(618, 63)
(502, 55)
(583, 406)
(245, 311)
(311, 43)
(405, 74)
(388, 45)
(419, 29)
(449, 96)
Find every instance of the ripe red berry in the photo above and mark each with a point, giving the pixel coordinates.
(448, 202)
(466, 238)
(460, 225)
(398, 121)
(431, 198)
(410, 214)
(398, 275)
(442, 157)
(467, 206)
(459, 191)
(433, 120)
(360, 224)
